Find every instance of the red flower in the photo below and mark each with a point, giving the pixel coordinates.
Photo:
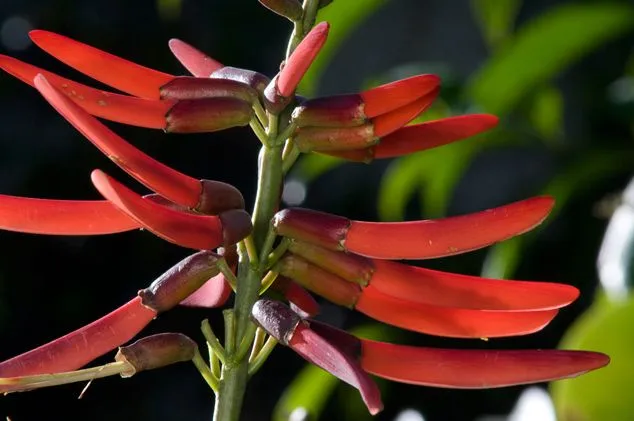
(340, 259)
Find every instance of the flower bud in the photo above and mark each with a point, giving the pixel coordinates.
(276, 318)
(186, 87)
(207, 115)
(180, 281)
(290, 9)
(156, 351)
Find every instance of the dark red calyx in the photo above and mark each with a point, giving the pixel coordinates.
(333, 111)
(217, 197)
(180, 281)
(236, 225)
(312, 226)
(319, 281)
(350, 267)
(319, 139)
(187, 87)
(156, 351)
(254, 79)
(276, 318)
(207, 115)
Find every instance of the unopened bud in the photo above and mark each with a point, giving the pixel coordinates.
(276, 319)
(180, 281)
(208, 115)
(186, 87)
(156, 351)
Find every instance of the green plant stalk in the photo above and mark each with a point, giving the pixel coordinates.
(235, 371)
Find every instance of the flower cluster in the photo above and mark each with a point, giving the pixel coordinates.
(350, 263)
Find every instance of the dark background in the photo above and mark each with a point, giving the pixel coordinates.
(51, 285)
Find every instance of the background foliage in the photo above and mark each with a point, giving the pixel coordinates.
(560, 74)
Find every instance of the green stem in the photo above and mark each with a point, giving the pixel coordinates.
(235, 371)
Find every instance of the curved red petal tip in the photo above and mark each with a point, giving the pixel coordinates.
(448, 321)
(214, 293)
(195, 61)
(301, 59)
(431, 134)
(469, 292)
(120, 108)
(62, 217)
(385, 124)
(448, 236)
(198, 232)
(78, 348)
(391, 96)
(168, 182)
(324, 352)
(474, 369)
(119, 73)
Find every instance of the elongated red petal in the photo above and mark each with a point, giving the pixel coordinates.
(199, 232)
(78, 348)
(195, 61)
(168, 182)
(301, 59)
(474, 369)
(387, 123)
(62, 217)
(120, 108)
(448, 321)
(391, 96)
(470, 292)
(319, 350)
(119, 73)
(214, 293)
(448, 236)
(431, 134)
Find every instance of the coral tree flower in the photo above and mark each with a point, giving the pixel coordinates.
(352, 359)
(351, 263)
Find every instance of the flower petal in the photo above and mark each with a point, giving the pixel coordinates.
(120, 108)
(195, 231)
(168, 182)
(62, 217)
(423, 136)
(474, 369)
(469, 292)
(114, 71)
(447, 236)
(387, 123)
(301, 59)
(448, 321)
(195, 61)
(78, 348)
(391, 96)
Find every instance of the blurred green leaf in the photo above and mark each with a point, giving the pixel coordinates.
(312, 388)
(544, 47)
(503, 258)
(399, 183)
(547, 112)
(344, 16)
(496, 18)
(311, 166)
(604, 394)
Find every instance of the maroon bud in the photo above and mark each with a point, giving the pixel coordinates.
(333, 111)
(180, 281)
(254, 79)
(236, 224)
(187, 87)
(350, 267)
(291, 9)
(319, 139)
(319, 281)
(276, 318)
(156, 351)
(312, 226)
(217, 197)
(208, 115)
